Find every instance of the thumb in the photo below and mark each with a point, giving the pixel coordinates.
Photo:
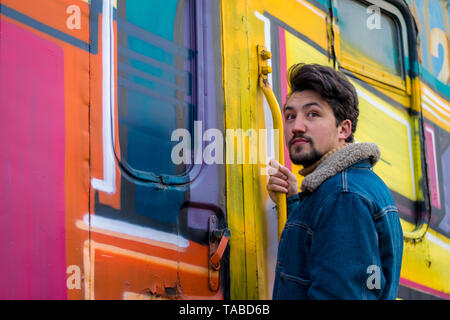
(274, 166)
(285, 171)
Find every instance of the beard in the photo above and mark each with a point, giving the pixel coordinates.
(304, 159)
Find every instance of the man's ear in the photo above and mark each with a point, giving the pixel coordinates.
(345, 129)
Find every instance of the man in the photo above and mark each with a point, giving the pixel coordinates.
(342, 238)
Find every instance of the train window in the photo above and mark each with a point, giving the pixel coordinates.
(370, 42)
(156, 82)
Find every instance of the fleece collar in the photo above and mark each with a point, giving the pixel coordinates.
(340, 160)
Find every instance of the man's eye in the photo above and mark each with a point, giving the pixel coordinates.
(290, 117)
(313, 114)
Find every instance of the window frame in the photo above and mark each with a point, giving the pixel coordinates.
(372, 75)
(192, 170)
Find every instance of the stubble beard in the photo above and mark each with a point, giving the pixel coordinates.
(306, 159)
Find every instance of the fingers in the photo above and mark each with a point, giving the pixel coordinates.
(277, 185)
(276, 188)
(277, 170)
(285, 170)
(278, 181)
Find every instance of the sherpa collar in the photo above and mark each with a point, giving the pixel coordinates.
(340, 160)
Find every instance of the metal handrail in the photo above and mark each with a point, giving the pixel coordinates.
(264, 70)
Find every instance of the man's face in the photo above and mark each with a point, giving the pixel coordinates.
(310, 127)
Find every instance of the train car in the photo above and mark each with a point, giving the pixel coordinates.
(136, 137)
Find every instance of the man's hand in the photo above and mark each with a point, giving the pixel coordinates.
(281, 180)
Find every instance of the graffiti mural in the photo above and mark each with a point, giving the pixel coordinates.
(92, 206)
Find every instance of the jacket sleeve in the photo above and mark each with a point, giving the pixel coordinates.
(344, 256)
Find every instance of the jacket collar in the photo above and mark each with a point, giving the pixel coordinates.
(340, 160)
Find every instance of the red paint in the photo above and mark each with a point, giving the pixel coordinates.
(420, 287)
(32, 204)
(284, 87)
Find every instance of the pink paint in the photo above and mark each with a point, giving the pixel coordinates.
(432, 167)
(421, 287)
(32, 204)
(284, 87)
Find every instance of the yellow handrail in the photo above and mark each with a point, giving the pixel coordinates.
(264, 70)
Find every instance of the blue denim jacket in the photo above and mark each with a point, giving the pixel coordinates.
(342, 241)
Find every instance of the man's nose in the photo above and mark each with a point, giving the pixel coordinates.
(299, 125)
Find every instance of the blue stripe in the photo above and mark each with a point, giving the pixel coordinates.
(13, 14)
(94, 11)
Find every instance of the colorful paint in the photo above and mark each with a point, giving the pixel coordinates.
(92, 207)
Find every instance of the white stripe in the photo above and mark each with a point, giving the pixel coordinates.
(437, 241)
(108, 184)
(320, 14)
(433, 97)
(427, 107)
(267, 40)
(270, 141)
(135, 230)
(433, 143)
(402, 121)
(434, 105)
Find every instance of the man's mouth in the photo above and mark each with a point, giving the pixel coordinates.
(299, 141)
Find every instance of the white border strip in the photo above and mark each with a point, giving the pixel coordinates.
(135, 230)
(429, 109)
(267, 40)
(431, 103)
(437, 241)
(108, 184)
(433, 142)
(320, 14)
(435, 99)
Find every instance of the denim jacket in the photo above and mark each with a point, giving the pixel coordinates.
(342, 238)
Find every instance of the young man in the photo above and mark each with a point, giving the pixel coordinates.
(342, 238)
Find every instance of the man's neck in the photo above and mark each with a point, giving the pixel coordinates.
(307, 170)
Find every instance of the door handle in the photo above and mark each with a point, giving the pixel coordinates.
(218, 241)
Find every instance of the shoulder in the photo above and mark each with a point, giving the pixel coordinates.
(344, 208)
(360, 180)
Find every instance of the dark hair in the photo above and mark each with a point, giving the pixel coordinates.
(332, 86)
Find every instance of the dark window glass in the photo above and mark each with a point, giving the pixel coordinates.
(156, 81)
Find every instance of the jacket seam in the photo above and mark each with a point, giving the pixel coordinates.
(298, 280)
(384, 211)
(301, 225)
(335, 194)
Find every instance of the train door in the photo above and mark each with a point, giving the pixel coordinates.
(155, 206)
(293, 31)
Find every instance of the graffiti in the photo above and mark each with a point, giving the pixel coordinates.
(118, 116)
(439, 40)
